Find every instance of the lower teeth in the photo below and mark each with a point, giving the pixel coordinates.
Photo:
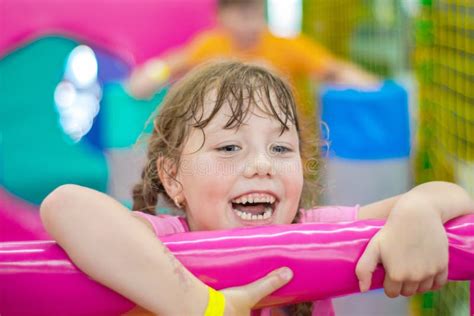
(248, 216)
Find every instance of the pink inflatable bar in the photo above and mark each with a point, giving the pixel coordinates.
(37, 278)
(19, 220)
(134, 29)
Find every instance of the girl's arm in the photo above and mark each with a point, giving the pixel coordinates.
(412, 246)
(449, 199)
(113, 247)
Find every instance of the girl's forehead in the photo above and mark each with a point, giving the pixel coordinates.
(253, 120)
(244, 110)
(256, 120)
(254, 116)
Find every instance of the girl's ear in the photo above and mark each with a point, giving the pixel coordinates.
(167, 172)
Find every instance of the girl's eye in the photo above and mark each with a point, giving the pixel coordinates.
(280, 149)
(228, 148)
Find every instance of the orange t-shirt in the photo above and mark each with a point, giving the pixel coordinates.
(292, 57)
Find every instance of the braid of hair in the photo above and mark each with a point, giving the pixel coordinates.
(145, 193)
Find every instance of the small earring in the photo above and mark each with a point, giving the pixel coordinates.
(177, 203)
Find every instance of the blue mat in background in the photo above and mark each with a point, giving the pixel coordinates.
(367, 124)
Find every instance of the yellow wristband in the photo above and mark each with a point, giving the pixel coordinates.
(158, 71)
(216, 303)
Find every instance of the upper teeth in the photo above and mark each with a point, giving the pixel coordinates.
(255, 198)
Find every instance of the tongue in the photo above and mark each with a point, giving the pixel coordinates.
(256, 209)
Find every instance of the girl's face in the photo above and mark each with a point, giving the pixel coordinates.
(246, 176)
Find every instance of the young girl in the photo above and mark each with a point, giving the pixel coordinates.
(226, 151)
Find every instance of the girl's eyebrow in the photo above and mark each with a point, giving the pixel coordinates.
(280, 129)
(214, 130)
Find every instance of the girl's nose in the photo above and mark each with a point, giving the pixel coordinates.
(259, 165)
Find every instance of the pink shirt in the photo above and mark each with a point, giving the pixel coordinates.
(166, 224)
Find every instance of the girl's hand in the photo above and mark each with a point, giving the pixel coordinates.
(413, 248)
(240, 300)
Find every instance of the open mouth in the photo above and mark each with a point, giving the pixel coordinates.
(255, 206)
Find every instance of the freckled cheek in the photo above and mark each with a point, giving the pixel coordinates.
(208, 180)
(291, 171)
(294, 183)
